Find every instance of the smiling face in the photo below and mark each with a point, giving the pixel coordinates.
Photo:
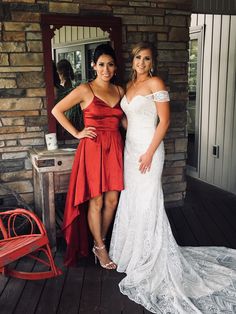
(142, 62)
(105, 67)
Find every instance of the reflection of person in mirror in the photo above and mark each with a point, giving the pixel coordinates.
(97, 173)
(66, 76)
(66, 73)
(56, 81)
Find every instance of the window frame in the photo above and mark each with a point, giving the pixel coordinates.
(197, 32)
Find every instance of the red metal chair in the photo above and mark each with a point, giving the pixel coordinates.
(14, 244)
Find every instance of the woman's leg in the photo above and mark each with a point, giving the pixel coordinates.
(95, 225)
(110, 204)
(95, 218)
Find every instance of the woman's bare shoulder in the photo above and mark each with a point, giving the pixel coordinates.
(83, 87)
(82, 91)
(128, 85)
(156, 83)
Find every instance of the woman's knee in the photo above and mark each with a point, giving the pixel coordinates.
(111, 201)
(96, 203)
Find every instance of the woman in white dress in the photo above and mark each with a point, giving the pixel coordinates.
(160, 275)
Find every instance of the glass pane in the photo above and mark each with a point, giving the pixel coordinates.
(78, 67)
(191, 108)
(89, 67)
(74, 57)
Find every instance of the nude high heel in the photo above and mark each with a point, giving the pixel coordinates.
(110, 265)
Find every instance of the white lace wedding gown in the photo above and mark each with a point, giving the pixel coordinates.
(160, 275)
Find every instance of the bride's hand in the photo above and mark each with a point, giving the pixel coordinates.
(86, 132)
(145, 162)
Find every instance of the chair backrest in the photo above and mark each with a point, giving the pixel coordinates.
(12, 223)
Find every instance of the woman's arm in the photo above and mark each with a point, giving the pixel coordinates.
(65, 104)
(163, 111)
(124, 122)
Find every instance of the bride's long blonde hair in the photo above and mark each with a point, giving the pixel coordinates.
(136, 49)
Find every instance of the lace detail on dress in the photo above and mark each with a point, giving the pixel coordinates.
(160, 275)
(160, 96)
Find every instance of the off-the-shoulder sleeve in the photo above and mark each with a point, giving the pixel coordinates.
(161, 96)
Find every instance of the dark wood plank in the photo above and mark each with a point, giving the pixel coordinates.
(32, 292)
(4, 280)
(230, 203)
(3, 283)
(51, 294)
(227, 208)
(14, 288)
(71, 294)
(218, 215)
(202, 237)
(185, 234)
(147, 312)
(130, 307)
(110, 293)
(91, 293)
(112, 301)
(215, 234)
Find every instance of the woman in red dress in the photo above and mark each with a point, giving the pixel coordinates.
(97, 173)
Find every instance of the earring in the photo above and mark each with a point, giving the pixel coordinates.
(150, 72)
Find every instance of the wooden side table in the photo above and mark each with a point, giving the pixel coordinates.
(51, 174)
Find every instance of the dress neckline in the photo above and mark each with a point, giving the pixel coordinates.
(144, 96)
(104, 103)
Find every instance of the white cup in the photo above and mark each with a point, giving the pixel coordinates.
(51, 141)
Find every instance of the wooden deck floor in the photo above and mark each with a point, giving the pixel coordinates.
(207, 218)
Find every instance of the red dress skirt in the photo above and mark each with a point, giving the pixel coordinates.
(97, 168)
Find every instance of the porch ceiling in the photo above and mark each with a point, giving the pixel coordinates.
(214, 6)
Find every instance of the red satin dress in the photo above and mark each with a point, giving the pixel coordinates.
(97, 168)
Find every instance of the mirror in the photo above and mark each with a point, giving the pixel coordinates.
(74, 38)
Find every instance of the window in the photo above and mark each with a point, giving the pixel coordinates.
(193, 107)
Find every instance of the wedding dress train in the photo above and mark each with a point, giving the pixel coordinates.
(160, 275)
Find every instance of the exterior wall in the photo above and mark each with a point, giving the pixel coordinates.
(218, 100)
(23, 117)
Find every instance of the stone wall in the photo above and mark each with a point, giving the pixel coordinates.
(23, 117)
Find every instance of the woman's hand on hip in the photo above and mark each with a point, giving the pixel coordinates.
(86, 132)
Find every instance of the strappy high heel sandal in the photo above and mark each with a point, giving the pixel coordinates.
(110, 265)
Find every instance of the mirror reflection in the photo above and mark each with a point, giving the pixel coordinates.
(76, 44)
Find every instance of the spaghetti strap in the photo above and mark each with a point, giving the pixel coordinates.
(91, 89)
